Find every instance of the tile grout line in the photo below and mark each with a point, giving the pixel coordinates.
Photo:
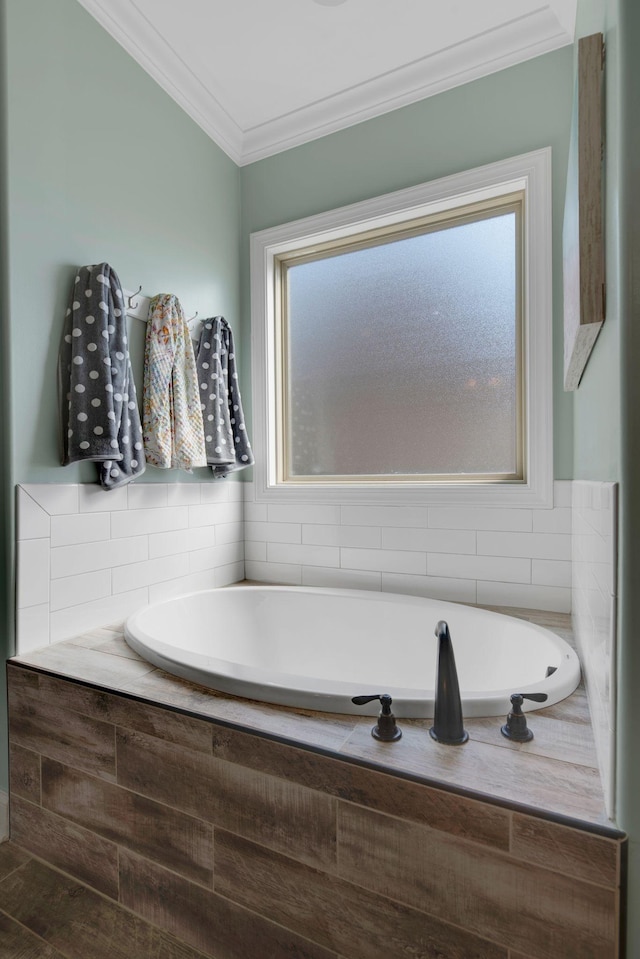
(36, 936)
(17, 868)
(112, 902)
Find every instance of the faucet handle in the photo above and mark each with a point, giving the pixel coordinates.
(384, 698)
(516, 727)
(516, 698)
(385, 729)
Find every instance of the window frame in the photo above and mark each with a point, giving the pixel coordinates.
(529, 173)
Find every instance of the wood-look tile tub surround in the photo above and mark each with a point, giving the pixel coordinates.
(226, 828)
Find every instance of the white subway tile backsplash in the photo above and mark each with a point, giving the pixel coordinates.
(147, 495)
(552, 598)
(214, 493)
(229, 554)
(212, 513)
(580, 526)
(433, 587)
(255, 512)
(595, 521)
(274, 532)
(562, 493)
(450, 517)
(94, 499)
(191, 583)
(136, 575)
(54, 498)
(384, 515)
(101, 554)
(181, 541)
(254, 551)
(383, 560)
(33, 572)
(431, 540)
(83, 588)
(235, 486)
(229, 533)
(530, 545)
(594, 588)
(86, 557)
(551, 572)
(552, 520)
(228, 575)
(433, 551)
(202, 559)
(340, 578)
(155, 540)
(136, 522)
(303, 514)
(69, 622)
(183, 494)
(304, 555)
(32, 626)
(289, 575)
(215, 556)
(462, 566)
(601, 579)
(364, 537)
(75, 528)
(33, 522)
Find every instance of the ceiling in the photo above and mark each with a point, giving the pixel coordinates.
(261, 76)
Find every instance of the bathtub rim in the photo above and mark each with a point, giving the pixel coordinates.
(334, 696)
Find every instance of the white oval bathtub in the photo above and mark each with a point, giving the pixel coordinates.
(316, 648)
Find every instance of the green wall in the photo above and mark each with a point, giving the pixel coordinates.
(102, 165)
(98, 163)
(508, 113)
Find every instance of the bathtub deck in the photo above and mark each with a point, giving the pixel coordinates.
(554, 776)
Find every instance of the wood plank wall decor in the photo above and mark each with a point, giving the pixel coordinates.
(583, 234)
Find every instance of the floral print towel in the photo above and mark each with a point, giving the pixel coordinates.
(171, 418)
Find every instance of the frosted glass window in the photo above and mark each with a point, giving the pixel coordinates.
(401, 355)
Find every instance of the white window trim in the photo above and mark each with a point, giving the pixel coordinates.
(531, 172)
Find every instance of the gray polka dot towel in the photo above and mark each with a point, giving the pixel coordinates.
(226, 440)
(100, 418)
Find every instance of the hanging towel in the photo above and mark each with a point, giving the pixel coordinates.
(172, 419)
(100, 418)
(227, 443)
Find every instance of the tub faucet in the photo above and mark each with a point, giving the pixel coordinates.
(447, 717)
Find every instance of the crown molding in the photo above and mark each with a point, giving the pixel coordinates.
(133, 31)
(521, 39)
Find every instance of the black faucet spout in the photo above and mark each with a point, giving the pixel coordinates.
(447, 718)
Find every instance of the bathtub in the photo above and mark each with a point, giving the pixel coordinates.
(316, 648)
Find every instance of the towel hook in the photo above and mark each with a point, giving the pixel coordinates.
(133, 306)
(192, 318)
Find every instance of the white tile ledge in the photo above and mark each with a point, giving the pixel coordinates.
(84, 554)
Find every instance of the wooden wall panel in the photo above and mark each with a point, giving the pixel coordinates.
(228, 844)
